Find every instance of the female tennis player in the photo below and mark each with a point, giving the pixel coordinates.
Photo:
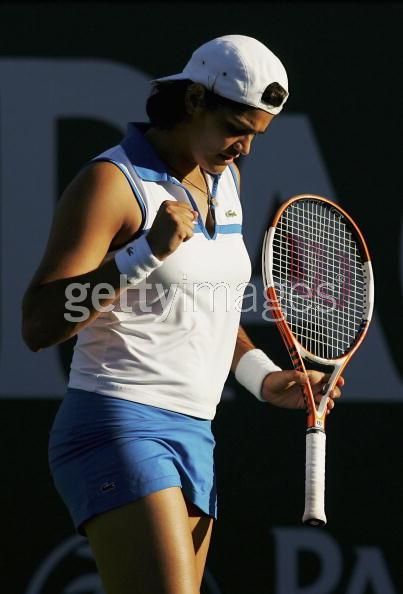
(145, 263)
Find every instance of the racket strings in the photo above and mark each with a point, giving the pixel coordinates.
(318, 275)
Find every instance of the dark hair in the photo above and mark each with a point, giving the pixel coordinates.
(166, 105)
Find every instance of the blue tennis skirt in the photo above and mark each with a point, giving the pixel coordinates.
(105, 452)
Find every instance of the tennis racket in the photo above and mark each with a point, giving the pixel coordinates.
(320, 290)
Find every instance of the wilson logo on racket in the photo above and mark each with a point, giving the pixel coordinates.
(310, 276)
(320, 288)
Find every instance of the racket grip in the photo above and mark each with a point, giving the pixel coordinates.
(314, 514)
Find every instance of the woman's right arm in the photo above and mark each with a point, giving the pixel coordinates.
(96, 213)
(96, 210)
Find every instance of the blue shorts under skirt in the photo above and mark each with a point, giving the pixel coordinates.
(105, 452)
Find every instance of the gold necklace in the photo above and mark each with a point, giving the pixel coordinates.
(210, 199)
(185, 179)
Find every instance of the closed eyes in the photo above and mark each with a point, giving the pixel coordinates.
(235, 131)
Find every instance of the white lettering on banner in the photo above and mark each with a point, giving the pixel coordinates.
(35, 93)
(370, 570)
(289, 543)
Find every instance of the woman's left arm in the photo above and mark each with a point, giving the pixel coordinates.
(243, 345)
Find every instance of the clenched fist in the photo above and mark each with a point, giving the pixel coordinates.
(172, 225)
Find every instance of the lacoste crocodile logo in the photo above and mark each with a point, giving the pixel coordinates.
(231, 213)
(108, 486)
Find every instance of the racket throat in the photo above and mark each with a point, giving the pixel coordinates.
(316, 422)
(316, 416)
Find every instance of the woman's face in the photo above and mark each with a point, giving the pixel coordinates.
(218, 137)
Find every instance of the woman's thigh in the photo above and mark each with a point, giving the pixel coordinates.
(201, 528)
(146, 547)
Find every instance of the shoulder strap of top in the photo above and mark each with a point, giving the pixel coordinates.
(118, 157)
(235, 176)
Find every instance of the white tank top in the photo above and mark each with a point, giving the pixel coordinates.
(169, 341)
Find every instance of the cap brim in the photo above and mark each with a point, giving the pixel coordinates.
(179, 76)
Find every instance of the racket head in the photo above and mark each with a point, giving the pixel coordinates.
(318, 278)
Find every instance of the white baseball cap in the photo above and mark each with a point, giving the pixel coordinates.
(236, 67)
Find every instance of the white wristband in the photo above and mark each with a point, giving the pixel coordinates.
(136, 260)
(251, 370)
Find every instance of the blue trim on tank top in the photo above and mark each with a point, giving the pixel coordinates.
(134, 188)
(236, 179)
(142, 154)
(234, 228)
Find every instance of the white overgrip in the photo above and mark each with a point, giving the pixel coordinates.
(314, 514)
